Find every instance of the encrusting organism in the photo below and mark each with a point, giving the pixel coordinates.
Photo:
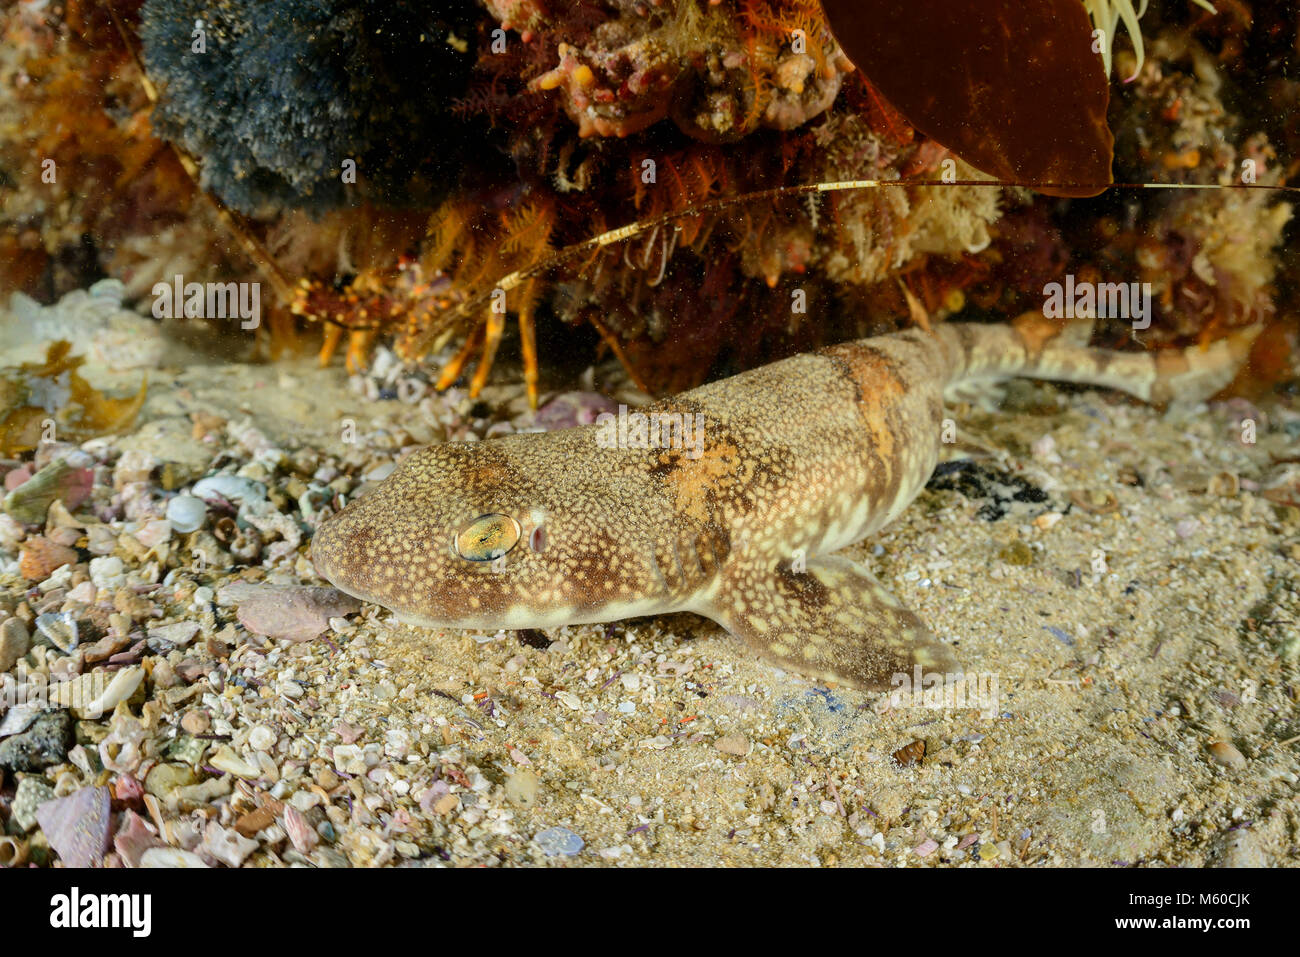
(273, 98)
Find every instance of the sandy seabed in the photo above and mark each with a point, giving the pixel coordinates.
(1140, 623)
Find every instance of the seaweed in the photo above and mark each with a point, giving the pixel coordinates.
(1013, 87)
(35, 396)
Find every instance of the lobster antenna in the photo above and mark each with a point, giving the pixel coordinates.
(480, 299)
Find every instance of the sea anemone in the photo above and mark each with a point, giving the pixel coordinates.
(1106, 17)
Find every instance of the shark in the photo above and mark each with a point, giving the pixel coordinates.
(793, 462)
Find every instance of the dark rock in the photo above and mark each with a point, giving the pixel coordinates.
(42, 745)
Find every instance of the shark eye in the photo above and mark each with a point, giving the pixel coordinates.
(487, 538)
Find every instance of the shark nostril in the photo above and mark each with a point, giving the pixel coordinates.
(537, 539)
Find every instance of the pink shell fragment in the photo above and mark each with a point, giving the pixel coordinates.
(77, 826)
(133, 838)
(293, 612)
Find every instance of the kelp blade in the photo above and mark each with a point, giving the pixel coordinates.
(1011, 86)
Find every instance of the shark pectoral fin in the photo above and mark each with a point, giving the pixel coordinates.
(987, 395)
(831, 621)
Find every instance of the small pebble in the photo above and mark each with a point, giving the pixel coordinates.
(133, 839)
(20, 717)
(31, 793)
(179, 633)
(327, 779)
(153, 533)
(570, 700)
(1225, 484)
(30, 501)
(226, 844)
(15, 642)
(59, 630)
(44, 744)
(229, 488)
(1044, 449)
(170, 857)
(186, 513)
(1225, 754)
(40, 557)
(94, 695)
(108, 572)
(1047, 521)
(225, 759)
(446, 804)
(521, 787)
(558, 840)
(301, 834)
(162, 779)
(736, 744)
(349, 759)
(195, 722)
(379, 472)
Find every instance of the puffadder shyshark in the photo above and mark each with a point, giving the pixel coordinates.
(798, 459)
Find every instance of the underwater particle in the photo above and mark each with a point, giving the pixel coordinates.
(284, 92)
(1012, 87)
